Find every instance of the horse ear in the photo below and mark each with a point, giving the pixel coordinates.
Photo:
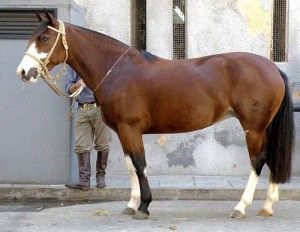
(50, 17)
(40, 18)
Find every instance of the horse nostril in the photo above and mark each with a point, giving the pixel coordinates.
(32, 73)
(23, 72)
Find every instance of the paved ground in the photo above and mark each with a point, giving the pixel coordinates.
(185, 187)
(212, 216)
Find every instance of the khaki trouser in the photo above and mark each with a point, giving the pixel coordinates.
(90, 130)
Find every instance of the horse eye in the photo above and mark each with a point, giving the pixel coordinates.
(44, 38)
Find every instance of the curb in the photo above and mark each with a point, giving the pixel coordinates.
(61, 193)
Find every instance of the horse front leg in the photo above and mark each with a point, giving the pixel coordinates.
(131, 140)
(135, 198)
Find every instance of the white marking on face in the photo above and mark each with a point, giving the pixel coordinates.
(135, 198)
(32, 80)
(28, 62)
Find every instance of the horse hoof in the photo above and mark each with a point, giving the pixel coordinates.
(264, 213)
(237, 214)
(128, 211)
(140, 216)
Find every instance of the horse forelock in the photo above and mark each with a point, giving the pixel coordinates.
(41, 27)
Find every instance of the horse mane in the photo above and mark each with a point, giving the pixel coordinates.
(148, 56)
(101, 35)
(41, 27)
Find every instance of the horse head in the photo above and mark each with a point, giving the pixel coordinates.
(45, 49)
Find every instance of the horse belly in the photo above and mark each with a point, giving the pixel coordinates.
(186, 118)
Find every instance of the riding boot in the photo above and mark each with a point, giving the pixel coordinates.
(84, 168)
(101, 164)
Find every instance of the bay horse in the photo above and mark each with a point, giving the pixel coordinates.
(140, 93)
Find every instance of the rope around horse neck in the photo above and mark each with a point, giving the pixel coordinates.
(109, 71)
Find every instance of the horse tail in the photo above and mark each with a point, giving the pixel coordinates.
(280, 138)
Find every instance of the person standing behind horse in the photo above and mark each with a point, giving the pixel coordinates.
(89, 130)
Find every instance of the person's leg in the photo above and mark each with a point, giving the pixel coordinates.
(83, 146)
(84, 169)
(101, 164)
(101, 135)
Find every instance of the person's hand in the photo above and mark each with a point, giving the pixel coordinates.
(76, 86)
(79, 83)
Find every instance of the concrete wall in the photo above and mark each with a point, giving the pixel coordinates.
(292, 68)
(159, 24)
(111, 17)
(35, 145)
(212, 27)
(227, 26)
(35, 128)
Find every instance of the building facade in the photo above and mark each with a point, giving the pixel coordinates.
(207, 27)
(171, 29)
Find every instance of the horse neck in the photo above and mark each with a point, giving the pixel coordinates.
(92, 54)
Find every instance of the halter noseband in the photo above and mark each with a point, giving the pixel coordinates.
(45, 74)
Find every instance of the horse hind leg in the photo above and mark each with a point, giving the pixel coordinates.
(255, 144)
(272, 197)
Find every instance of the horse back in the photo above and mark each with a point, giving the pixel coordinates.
(186, 95)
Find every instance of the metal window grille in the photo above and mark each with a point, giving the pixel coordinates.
(279, 31)
(139, 24)
(19, 23)
(178, 29)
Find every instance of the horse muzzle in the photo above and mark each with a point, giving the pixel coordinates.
(30, 76)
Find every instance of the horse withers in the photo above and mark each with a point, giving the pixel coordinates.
(140, 93)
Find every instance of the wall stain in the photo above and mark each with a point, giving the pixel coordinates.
(228, 138)
(258, 19)
(183, 155)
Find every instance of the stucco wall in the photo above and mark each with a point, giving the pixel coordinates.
(111, 17)
(159, 14)
(212, 27)
(35, 140)
(227, 26)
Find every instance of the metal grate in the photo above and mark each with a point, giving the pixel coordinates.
(279, 31)
(139, 24)
(178, 29)
(19, 23)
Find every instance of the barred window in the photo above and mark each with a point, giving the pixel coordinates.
(19, 23)
(278, 52)
(178, 29)
(139, 24)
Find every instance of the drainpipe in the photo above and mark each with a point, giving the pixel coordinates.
(73, 177)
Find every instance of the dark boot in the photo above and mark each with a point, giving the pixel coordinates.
(84, 168)
(101, 164)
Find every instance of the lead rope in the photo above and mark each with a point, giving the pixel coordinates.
(108, 72)
(53, 81)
